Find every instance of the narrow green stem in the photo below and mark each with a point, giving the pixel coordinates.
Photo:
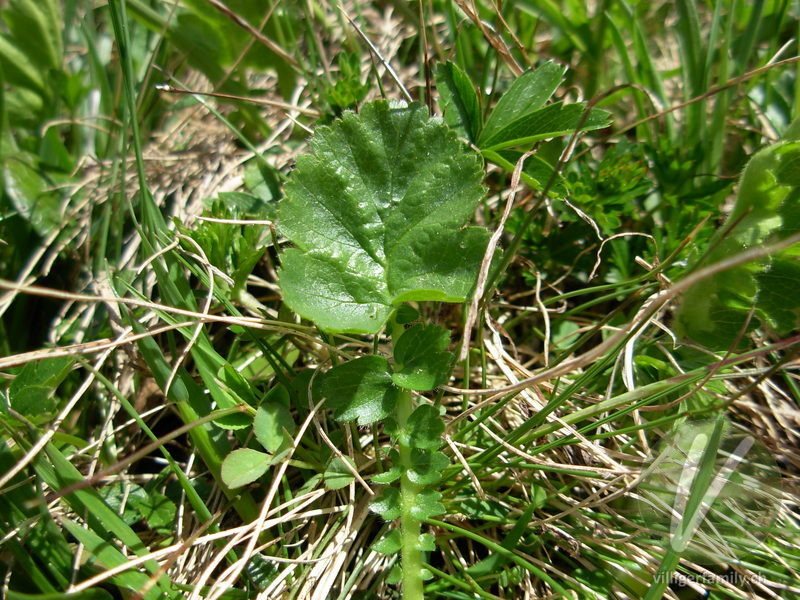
(663, 575)
(410, 526)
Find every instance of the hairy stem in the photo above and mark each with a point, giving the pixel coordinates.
(409, 525)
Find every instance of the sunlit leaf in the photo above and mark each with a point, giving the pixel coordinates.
(376, 214)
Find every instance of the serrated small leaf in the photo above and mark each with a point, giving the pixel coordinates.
(459, 100)
(31, 193)
(338, 475)
(427, 543)
(389, 544)
(421, 357)
(31, 391)
(376, 214)
(121, 498)
(388, 476)
(551, 121)
(155, 508)
(527, 94)
(273, 424)
(427, 467)
(395, 575)
(425, 428)
(387, 505)
(361, 389)
(244, 466)
(428, 505)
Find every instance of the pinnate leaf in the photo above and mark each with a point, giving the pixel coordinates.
(376, 214)
(361, 389)
(421, 357)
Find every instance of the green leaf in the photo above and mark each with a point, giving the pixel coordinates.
(31, 391)
(388, 476)
(120, 497)
(262, 181)
(389, 544)
(427, 543)
(459, 100)
(427, 467)
(421, 357)
(18, 69)
(395, 575)
(244, 466)
(376, 214)
(92, 594)
(427, 505)
(393, 473)
(361, 389)
(425, 428)
(406, 314)
(338, 475)
(527, 94)
(135, 503)
(36, 27)
(778, 295)
(387, 505)
(273, 425)
(105, 527)
(31, 193)
(552, 121)
(767, 208)
(536, 172)
(158, 510)
(232, 390)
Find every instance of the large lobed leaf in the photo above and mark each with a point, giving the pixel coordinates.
(376, 213)
(713, 311)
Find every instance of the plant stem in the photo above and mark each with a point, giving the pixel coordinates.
(664, 575)
(409, 525)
